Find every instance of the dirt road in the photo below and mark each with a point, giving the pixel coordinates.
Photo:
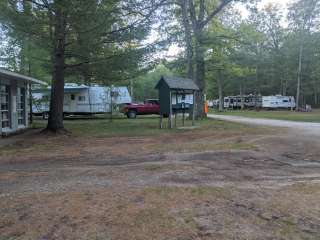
(306, 127)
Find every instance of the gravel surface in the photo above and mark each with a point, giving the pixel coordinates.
(307, 127)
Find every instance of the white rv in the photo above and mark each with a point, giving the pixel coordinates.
(249, 101)
(82, 99)
(278, 102)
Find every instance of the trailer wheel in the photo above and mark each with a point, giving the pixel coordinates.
(132, 114)
(45, 116)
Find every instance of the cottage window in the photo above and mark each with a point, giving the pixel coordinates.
(21, 108)
(5, 106)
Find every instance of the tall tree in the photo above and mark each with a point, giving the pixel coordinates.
(200, 14)
(304, 15)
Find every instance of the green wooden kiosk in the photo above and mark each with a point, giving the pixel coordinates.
(176, 95)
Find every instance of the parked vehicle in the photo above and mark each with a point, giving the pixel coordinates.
(82, 99)
(249, 101)
(150, 106)
(265, 102)
(278, 102)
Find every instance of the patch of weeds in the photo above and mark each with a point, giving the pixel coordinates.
(236, 146)
(156, 215)
(153, 168)
(204, 146)
(188, 219)
(288, 227)
(22, 148)
(160, 192)
(305, 188)
(185, 193)
(210, 191)
(7, 150)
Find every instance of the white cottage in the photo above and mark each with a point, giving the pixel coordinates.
(14, 90)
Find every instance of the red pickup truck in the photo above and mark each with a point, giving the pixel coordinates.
(150, 106)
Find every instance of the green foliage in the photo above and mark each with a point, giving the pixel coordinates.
(103, 39)
(144, 86)
(260, 54)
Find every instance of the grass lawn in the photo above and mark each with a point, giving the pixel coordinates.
(281, 115)
(208, 135)
(141, 126)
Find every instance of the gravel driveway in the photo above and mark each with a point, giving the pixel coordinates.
(307, 127)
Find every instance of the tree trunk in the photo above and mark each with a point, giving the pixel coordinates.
(220, 86)
(55, 122)
(188, 37)
(299, 76)
(315, 92)
(200, 76)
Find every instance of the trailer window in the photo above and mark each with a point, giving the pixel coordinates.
(81, 98)
(285, 101)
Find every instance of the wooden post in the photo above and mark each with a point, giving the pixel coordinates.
(183, 105)
(175, 123)
(175, 120)
(170, 113)
(183, 116)
(30, 104)
(193, 109)
(161, 121)
(0, 111)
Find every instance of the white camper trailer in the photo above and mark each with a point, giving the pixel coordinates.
(278, 102)
(82, 99)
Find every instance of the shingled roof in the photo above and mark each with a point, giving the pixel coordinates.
(178, 83)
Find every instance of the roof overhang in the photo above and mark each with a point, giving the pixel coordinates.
(177, 83)
(66, 89)
(20, 77)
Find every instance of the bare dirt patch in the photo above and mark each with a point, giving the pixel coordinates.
(216, 185)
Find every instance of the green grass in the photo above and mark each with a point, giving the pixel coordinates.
(197, 139)
(118, 127)
(142, 126)
(281, 115)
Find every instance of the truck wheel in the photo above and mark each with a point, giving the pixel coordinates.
(45, 116)
(132, 114)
